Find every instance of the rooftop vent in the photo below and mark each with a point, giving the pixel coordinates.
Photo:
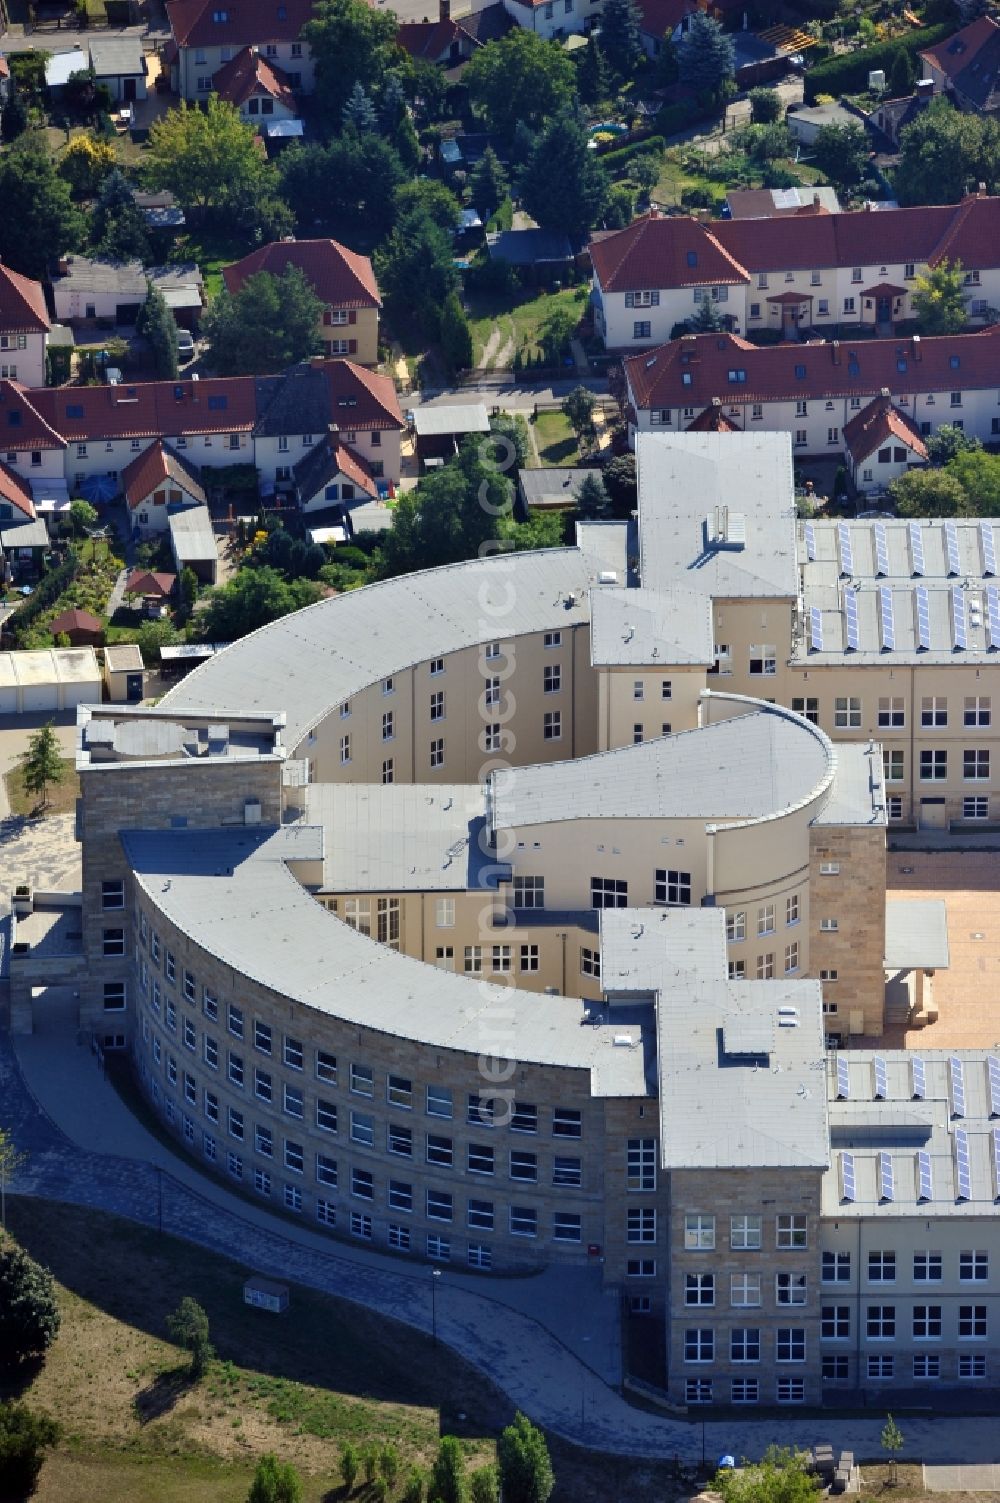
(725, 528)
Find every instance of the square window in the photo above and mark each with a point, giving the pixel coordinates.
(699, 1232)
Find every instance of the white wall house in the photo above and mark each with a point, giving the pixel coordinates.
(24, 328)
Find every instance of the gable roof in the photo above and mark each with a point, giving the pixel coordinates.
(656, 252)
(22, 423)
(338, 276)
(236, 23)
(309, 397)
(149, 582)
(75, 620)
(22, 304)
(712, 419)
(876, 425)
(247, 74)
(661, 18)
(329, 459)
(970, 61)
(429, 39)
(155, 466)
(148, 409)
(693, 370)
(16, 491)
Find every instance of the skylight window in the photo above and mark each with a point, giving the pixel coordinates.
(218, 404)
(737, 376)
(955, 361)
(800, 372)
(692, 258)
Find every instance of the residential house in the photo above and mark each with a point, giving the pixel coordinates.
(155, 481)
(449, 41)
(662, 21)
(24, 328)
(813, 272)
(966, 66)
(67, 434)
(23, 534)
(258, 88)
(207, 34)
(880, 444)
(806, 121)
(331, 476)
(118, 63)
(890, 117)
(815, 392)
(82, 628)
(86, 290)
(343, 281)
(779, 203)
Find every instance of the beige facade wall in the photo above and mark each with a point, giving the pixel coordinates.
(639, 704)
(362, 333)
(847, 876)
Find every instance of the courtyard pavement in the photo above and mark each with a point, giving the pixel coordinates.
(548, 1341)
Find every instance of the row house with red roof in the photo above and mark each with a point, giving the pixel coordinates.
(24, 328)
(343, 280)
(206, 35)
(793, 276)
(73, 433)
(873, 401)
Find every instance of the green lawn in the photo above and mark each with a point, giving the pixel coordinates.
(675, 178)
(556, 440)
(212, 251)
(60, 798)
(517, 321)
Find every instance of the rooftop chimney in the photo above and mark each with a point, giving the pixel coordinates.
(835, 351)
(917, 353)
(923, 88)
(444, 11)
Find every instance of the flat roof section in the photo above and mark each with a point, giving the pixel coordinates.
(641, 627)
(456, 417)
(56, 665)
(916, 935)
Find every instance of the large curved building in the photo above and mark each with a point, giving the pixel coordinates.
(461, 916)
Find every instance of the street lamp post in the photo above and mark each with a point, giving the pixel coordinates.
(435, 1276)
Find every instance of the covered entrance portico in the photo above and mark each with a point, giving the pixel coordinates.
(916, 945)
(792, 310)
(883, 306)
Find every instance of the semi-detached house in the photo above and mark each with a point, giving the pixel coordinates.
(24, 328)
(811, 272)
(74, 432)
(875, 400)
(206, 34)
(343, 281)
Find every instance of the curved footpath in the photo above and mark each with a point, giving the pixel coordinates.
(529, 1335)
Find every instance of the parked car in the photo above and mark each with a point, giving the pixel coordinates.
(185, 344)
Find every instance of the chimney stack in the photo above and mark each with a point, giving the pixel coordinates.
(916, 347)
(835, 351)
(444, 11)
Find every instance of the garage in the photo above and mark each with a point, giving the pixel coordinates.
(41, 683)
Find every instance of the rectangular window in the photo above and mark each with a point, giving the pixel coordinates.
(362, 1081)
(439, 1205)
(790, 1391)
(880, 1322)
(326, 1067)
(293, 1053)
(529, 892)
(977, 807)
(891, 713)
(836, 1267)
(362, 1129)
(847, 712)
(699, 1344)
(261, 1037)
(210, 1005)
(640, 1224)
(566, 1227)
(437, 753)
(439, 1150)
(235, 1070)
(790, 1288)
(399, 1091)
(933, 765)
(523, 1166)
(551, 678)
(361, 1225)
(114, 942)
(552, 725)
(977, 710)
(673, 886)
(529, 958)
(765, 920)
(699, 1288)
(892, 764)
(744, 1344)
(927, 1322)
(640, 1164)
(972, 1322)
(326, 1170)
(933, 712)
(792, 1231)
(262, 1085)
(480, 1158)
(235, 1020)
(399, 1140)
(566, 1122)
(235, 1124)
(790, 1344)
(973, 1267)
(881, 1267)
(293, 1156)
(590, 963)
(975, 765)
(744, 1291)
(736, 925)
(439, 1102)
(113, 894)
(263, 1141)
(608, 892)
(567, 1172)
(835, 1322)
(972, 1365)
(400, 1196)
(763, 660)
(699, 1232)
(362, 1184)
(292, 1101)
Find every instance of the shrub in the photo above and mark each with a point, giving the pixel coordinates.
(848, 73)
(29, 1314)
(24, 1436)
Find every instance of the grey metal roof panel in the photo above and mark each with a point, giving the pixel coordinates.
(555, 486)
(310, 662)
(191, 535)
(751, 767)
(683, 477)
(436, 419)
(643, 627)
(857, 793)
(916, 934)
(231, 892)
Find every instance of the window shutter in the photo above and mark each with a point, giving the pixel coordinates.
(327, 318)
(352, 317)
(352, 346)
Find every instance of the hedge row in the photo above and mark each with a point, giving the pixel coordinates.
(848, 73)
(615, 162)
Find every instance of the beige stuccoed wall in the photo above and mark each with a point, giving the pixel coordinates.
(669, 699)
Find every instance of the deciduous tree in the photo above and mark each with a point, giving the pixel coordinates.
(25, 1435)
(188, 1327)
(85, 164)
(156, 324)
(526, 1474)
(448, 1484)
(578, 407)
(430, 197)
(929, 493)
(12, 1161)
(892, 1444)
(351, 43)
(621, 36)
(29, 1311)
(351, 183)
(349, 1467)
(938, 300)
(275, 1481)
(946, 442)
(450, 515)
(564, 186)
(782, 1476)
(252, 598)
(522, 78)
(843, 153)
(41, 763)
(39, 219)
(117, 228)
(765, 106)
(270, 323)
(944, 153)
(208, 158)
(416, 272)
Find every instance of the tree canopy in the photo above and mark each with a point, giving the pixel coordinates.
(157, 325)
(41, 762)
(29, 1313)
(782, 1476)
(525, 1469)
(270, 323)
(39, 220)
(521, 78)
(208, 158)
(252, 598)
(450, 515)
(25, 1436)
(275, 1481)
(843, 153)
(488, 184)
(944, 153)
(563, 186)
(621, 36)
(938, 300)
(417, 273)
(706, 54)
(117, 227)
(929, 493)
(430, 197)
(447, 1482)
(351, 182)
(352, 43)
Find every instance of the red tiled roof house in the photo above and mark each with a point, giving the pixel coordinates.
(343, 281)
(82, 629)
(814, 272)
(24, 328)
(881, 443)
(157, 481)
(258, 88)
(208, 34)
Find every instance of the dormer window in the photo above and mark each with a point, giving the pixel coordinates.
(800, 372)
(220, 17)
(686, 378)
(736, 377)
(692, 258)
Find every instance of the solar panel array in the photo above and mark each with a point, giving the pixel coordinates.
(886, 1179)
(993, 611)
(851, 612)
(989, 547)
(925, 1181)
(816, 629)
(843, 1079)
(959, 624)
(848, 1179)
(881, 1078)
(887, 619)
(963, 1165)
(844, 548)
(923, 617)
(951, 544)
(993, 1069)
(810, 541)
(881, 550)
(919, 1078)
(956, 1076)
(917, 548)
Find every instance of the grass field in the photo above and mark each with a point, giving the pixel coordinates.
(301, 1384)
(61, 797)
(212, 251)
(502, 325)
(555, 439)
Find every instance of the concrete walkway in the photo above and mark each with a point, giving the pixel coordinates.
(547, 1341)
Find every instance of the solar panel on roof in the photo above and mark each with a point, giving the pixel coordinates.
(886, 1179)
(956, 1076)
(993, 610)
(917, 548)
(959, 623)
(851, 611)
(844, 548)
(989, 547)
(848, 1180)
(881, 549)
(843, 1079)
(888, 622)
(881, 1078)
(810, 541)
(925, 1181)
(963, 1165)
(993, 1069)
(919, 1078)
(951, 544)
(923, 617)
(816, 628)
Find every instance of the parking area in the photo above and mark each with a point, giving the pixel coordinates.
(965, 994)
